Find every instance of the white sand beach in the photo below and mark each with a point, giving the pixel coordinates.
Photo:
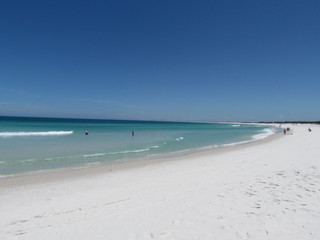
(265, 190)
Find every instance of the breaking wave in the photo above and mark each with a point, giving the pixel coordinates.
(23, 134)
(97, 155)
(266, 132)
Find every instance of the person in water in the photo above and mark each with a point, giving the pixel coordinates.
(132, 133)
(87, 132)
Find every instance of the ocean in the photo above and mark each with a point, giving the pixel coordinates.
(33, 144)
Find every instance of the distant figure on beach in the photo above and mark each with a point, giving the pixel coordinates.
(284, 131)
(132, 133)
(309, 129)
(87, 132)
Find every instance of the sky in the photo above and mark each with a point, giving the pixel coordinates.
(253, 60)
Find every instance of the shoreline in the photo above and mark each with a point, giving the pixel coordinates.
(59, 174)
(262, 190)
(31, 163)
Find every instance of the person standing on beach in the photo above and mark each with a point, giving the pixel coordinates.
(132, 133)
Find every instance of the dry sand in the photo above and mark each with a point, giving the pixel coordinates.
(269, 190)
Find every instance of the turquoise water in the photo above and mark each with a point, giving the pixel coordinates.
(29, 144)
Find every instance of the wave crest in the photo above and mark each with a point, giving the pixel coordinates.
(23, 134)
(266, 132)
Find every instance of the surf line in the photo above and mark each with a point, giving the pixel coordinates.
(49, 133)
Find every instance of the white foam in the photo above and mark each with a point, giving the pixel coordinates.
(93, 163)
(156, 146)
(49, 133)
(102, 154)
(264, 133)
(179, 139)
(235, 143)
(94, 155)
(236, 125)
(27, 160)
(58, 158)
(209, 147)
(135, 151)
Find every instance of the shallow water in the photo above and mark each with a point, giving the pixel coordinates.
(29, 144)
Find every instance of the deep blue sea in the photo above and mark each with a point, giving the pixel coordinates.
(31, 144)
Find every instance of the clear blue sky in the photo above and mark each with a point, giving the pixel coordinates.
(161, 60)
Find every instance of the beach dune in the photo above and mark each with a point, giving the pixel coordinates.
(264, 190)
